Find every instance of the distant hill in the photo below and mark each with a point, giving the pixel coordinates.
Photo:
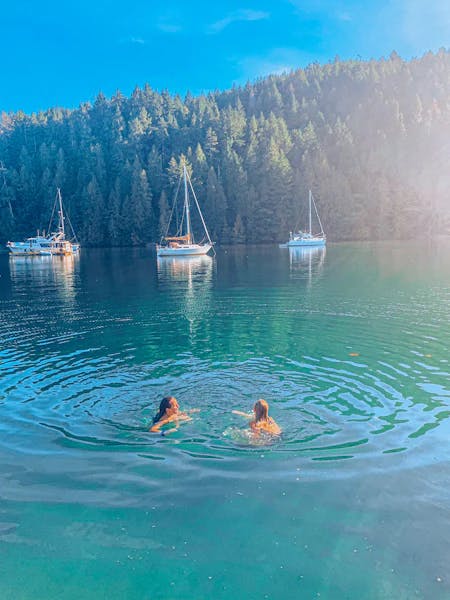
(370, 138)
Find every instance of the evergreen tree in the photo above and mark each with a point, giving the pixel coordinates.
(142, 218)
(164, 212)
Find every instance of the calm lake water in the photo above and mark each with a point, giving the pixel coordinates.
(350, 347)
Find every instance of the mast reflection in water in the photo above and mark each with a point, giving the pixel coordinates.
(188, 281)
(307, 263)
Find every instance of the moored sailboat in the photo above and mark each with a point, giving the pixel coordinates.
(60, 245)
(305, 239)
(183, 243)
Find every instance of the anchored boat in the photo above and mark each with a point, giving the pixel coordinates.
(32, 246)
(52, 244)
(309, 238)
(183, 243)
(60, 245)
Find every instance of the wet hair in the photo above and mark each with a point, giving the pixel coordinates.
(261, 410)
(164, 405)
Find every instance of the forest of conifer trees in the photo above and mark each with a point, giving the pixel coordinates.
(370, 138)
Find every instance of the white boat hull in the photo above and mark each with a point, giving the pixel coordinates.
(16, 252)
(308, 242)
(28, 249)
(184, 250)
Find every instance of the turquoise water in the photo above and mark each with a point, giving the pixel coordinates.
(349, 346)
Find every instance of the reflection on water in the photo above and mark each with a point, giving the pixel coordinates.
(344, 370)
(192, 277)
(356, 372)
(47, 274)
(185, 268)
(307, 261)
(306, 256)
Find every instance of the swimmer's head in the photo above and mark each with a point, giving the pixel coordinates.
(167, 408)
(261, 410)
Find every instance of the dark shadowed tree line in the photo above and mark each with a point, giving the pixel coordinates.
(371, 139)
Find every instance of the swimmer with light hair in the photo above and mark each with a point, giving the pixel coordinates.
(260, 419)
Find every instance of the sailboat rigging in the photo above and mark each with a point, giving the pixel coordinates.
(183, 243)
(60, 245)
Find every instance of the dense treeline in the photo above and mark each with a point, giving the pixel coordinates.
(371, 139)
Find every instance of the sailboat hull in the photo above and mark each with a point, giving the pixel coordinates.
(307, 242)
(184, 250)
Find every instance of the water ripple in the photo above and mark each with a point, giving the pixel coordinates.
(348, 374)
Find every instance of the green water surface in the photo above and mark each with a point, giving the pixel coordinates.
(350, 346)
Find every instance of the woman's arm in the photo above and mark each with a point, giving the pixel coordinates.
(178, 417)
(183, 417)
(242, 414)
(157, 426)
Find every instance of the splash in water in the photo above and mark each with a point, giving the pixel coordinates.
(247, 437)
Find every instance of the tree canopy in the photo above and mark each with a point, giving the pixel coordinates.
(371, 139)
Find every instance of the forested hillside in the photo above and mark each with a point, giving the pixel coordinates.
(371, 139)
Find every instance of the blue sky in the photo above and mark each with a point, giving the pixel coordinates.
(62, 53)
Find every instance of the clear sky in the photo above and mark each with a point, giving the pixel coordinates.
(61, 53)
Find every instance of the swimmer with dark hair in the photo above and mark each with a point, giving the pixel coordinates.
(169, 412)
(260, 419)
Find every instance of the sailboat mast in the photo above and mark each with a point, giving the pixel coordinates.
(186, 205)
(61, 214)
(310, 228)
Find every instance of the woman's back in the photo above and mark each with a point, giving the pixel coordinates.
(268, 425)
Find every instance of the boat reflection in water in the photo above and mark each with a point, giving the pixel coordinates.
(187, 281)
(45, 273)
(306, 263)
(191, 269)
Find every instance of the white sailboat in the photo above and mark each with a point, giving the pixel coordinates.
(309, 238)
(60, 245)
(52, 244)
(183, 243)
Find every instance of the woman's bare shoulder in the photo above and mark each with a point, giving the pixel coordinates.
(275, 428)
(271, 427)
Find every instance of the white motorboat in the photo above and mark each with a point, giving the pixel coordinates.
(33, 246)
